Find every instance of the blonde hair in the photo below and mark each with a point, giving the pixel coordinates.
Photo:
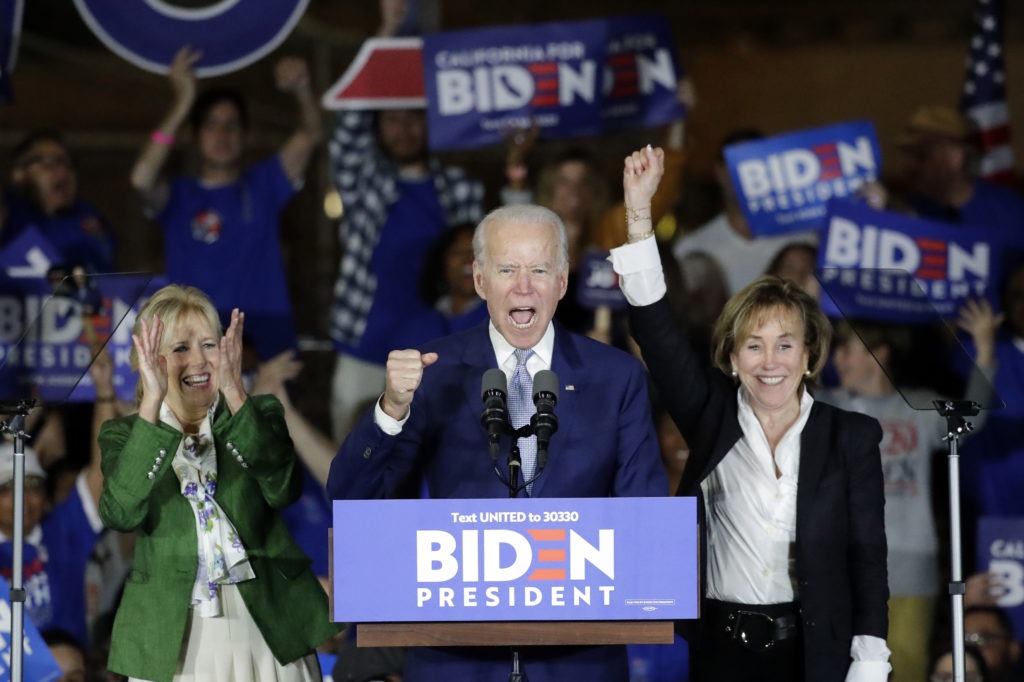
(171, 304)
(747, 309)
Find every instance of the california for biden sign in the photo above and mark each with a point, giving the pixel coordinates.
(519, 559)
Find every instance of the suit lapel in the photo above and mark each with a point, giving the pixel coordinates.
(814, 448)
(574, 388)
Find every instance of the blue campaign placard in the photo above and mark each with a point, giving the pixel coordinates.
(1001, 551)
(37, 662)
(891, 267)
(567, 78)
(598, 284)
(784, 182)
(230, 34)
(641, 73)
(47, 341)
(515, 559)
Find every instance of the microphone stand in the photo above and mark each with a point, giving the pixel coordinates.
(15, 426)
(514, 467)
(955, 412)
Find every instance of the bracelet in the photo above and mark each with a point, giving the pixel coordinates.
(160, 137)
(516, 173)
(635, 215)
(105, 399)
(633, 238)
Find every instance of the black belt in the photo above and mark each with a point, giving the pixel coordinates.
(755, 626)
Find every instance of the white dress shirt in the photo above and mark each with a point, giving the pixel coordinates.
(643, 282)
(751, 514)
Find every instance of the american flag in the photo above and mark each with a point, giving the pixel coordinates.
(984, 95)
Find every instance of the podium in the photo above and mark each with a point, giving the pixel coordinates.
(514, 572)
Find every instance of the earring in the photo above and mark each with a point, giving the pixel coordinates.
(807, 372)
(734, 374)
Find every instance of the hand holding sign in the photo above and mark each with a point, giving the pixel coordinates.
(183, 77)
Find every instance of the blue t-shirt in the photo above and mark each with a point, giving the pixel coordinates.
(224, 240)
(54, 566)
(991, 205)
(398, 318)
(993, 457)
(79, 233)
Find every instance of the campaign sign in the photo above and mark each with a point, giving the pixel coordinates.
(48, 333)
(37, 662)
(48, 341)
(231, 34)
(569, 79)
(1001, 551)
(784, 182)
(890, 267)
(533, 559)
(597, 284)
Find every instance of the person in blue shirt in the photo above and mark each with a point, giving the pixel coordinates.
(221, 225)
(43, 194)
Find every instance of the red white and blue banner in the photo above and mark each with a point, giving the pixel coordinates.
(37, 663)
(1001, 551)
(570, 79)
(230, 33)
(10, 31)
(783, 183)
(531, 559)
(887, 266)
(47, 341)
(984, 94)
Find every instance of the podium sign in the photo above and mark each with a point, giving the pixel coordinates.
(543, 559)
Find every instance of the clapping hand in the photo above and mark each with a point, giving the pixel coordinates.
(152, 367)
(229, 373)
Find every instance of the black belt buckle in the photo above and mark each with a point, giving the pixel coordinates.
(751, 627)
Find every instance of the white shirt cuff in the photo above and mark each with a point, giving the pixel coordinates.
(641, 277)
(88, 503)
(388, 424)
(870, 660)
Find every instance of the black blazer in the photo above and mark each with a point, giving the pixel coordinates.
(840, 531)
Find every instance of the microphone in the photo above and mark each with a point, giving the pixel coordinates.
(544, 421)
(494, 418)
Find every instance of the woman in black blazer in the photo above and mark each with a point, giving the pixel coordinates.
(793, 576)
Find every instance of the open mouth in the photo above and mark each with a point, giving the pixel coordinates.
(197, 380)
(522, 318)
(771, 381)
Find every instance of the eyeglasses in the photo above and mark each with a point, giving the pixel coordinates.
(948, 677)
(984, 638)
(47, 161)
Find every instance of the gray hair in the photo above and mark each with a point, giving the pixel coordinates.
(521, 214)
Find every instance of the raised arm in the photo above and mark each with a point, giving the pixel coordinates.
(104, 409)
(147, 178)
(292, 76)
(641, 174)
(314, 448)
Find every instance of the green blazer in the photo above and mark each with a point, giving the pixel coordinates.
(256, 476)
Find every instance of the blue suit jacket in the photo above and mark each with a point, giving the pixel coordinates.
(605, 446)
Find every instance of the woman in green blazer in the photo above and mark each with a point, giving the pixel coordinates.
(218, 589)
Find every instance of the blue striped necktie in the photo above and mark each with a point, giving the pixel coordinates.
(521, 408)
